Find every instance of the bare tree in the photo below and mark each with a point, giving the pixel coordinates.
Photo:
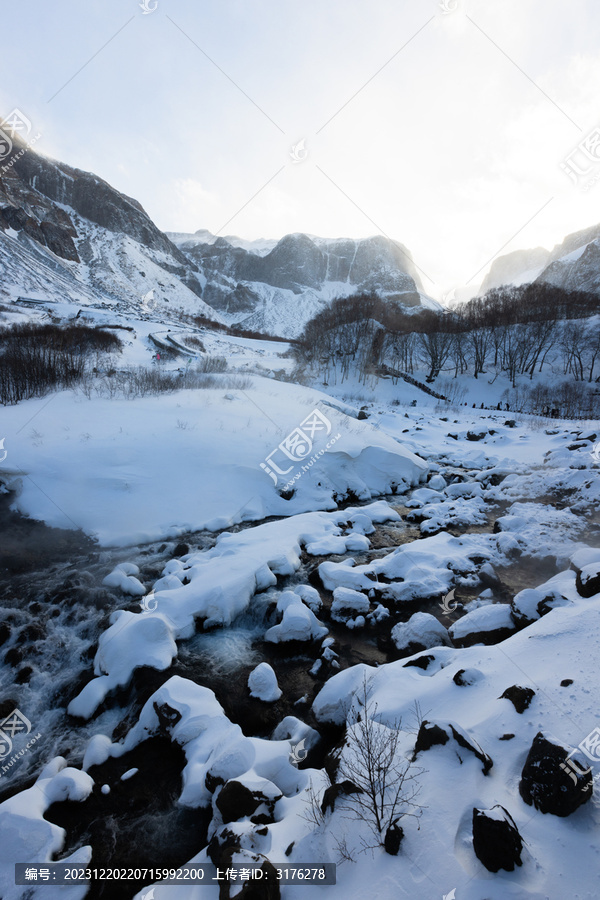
(387, 782)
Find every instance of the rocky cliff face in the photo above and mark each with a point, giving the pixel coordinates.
(278, 286)
(65, 233)
(574, 264)
(33, 186)
(518, 267)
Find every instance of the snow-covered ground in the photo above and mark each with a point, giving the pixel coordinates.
(385, 533)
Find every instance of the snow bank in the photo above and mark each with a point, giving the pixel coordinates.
(102, 465)
(221, 584)
(26, 836)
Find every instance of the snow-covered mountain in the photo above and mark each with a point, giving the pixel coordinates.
(574, 264)
(276, 286)
(67, 234)
(518, 267)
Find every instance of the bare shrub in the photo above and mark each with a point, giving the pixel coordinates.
(212, 364)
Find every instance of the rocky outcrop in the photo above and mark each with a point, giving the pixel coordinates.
(496, 839)
(551, 782)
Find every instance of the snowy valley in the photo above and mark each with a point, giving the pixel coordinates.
(277, 600)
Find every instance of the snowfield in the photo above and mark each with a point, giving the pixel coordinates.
(160, 466)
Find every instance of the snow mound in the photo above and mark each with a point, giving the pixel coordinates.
(299, 623)
(262, 682)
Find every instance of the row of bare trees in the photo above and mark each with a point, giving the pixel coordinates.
(512, 330)
(37, 358)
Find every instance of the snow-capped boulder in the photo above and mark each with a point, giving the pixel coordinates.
(421, 632)
(437, 483)
(439, 733)
(588, 580)
(310, 595)
(520, 697)
(240, 799)
(485, 625)
(298, 623)
(530, 604)
(300, 735)
(347, 604)
(123, 576)
(262, 682)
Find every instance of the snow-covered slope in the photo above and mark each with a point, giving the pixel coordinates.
(518, 267)
(66, 234)
(574, 264)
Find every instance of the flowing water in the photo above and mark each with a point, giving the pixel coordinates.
(53, 608)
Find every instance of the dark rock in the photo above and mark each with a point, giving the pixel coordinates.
(488, 576)
(506, 737)
(520, 697)
(588, 585)
(510, 423)
(6, 707)
(289, 849)
(421, 662)
(362, 415)
(167, 717)
(476, 435)
(429, 736)
(566, 682)
(393, 839)
(5, 632)
(432, 734)
(35, 631)
(496, 839)
(14, 656)
(551, 784)
(336, 790)
(462, 678)
(236, 801)
(212, 782)
(23, 675)
(58, 239)
(181, 550)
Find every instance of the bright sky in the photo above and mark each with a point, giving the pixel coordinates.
(442, 128)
